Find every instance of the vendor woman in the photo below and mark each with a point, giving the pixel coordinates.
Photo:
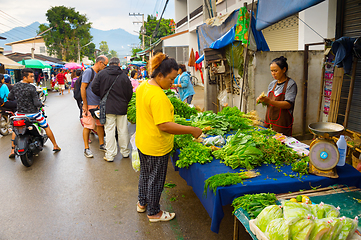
(280, 98)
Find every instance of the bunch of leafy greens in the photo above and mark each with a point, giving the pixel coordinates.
(240, 151)
(194, 152)
(227, 179)
(254, 203)
(301, 166)
(180, 108)
(236, 118)
(181, 120)
(211, 123)
(131, 113)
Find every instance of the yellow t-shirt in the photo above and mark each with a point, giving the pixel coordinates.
(153, 108)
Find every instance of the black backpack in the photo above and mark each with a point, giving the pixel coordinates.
(77, 85)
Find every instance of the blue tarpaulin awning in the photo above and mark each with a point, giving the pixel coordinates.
(228, 38)
(272, 11)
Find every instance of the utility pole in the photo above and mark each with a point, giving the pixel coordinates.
(142, 31)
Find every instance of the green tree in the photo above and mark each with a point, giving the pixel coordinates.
(113, 53)
(89, 51)
(68, 30)
(103, 46)
(150, 25)
(134, 53)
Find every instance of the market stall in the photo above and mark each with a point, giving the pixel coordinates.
(270, 180)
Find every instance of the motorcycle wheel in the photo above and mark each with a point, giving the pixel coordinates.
(42, 97)
(4, 125)
(27, 159)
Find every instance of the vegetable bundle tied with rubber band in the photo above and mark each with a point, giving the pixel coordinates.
(255, 203)
(227, 179)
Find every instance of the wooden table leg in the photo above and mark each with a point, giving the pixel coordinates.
(235, 228)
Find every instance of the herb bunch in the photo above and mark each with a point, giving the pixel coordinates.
(194, 152)
(227, 179)
(254, 203)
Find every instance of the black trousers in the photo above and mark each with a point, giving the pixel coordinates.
(153, 170)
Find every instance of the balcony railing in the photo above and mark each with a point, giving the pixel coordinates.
(192, 15)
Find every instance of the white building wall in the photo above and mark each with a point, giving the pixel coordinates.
(177, 41)
(180, 7)
(26, 48)
(322, 18)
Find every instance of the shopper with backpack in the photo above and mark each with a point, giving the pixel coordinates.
(91, 101)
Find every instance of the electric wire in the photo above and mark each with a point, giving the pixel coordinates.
(311, 28)
(24, 24)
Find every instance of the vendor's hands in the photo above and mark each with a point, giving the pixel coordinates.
(196, 132)
(265, 100)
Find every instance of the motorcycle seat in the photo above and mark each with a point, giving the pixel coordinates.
(5, 109)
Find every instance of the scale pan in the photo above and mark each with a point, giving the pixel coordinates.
(321, 128)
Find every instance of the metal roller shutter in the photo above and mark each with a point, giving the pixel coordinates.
(283, 35)
(352, 28)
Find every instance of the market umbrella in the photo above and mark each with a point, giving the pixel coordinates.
(54, 65)
(72, 66)
(34, 63)
(138, 63)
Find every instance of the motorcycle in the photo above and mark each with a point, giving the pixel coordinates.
(5, 125)
(30, 138)
(42, 92)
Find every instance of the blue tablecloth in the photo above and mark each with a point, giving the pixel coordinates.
(270, 180)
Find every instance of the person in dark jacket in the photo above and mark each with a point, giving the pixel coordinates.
(116, 107)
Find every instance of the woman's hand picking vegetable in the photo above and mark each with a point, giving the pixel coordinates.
(196, 132)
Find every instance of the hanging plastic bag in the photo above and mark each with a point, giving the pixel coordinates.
(135, 154)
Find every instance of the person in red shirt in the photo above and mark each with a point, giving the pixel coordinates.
(60, 78)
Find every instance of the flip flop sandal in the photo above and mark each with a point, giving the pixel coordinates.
(166, 216)
(12, 155)
(56, 150)
(141, 210)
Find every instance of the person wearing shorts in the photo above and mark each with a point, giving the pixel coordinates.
(90, 100)
(28, 104)
(60, 78)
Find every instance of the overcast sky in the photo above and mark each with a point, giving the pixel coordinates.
(104, 14)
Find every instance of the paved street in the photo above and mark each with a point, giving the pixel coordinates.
(68, 196)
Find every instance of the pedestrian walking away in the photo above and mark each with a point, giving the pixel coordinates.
(60, 78)
(28, 104)
(91, 101)
(114, 80)
(155, 131)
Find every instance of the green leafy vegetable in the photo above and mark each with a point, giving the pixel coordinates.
(227, 179)
(255, 203)
(194, 152)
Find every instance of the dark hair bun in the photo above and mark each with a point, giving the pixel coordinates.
(282, 57)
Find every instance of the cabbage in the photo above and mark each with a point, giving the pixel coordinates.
(320, 228)
(292, 211)
(335, 228)
(330, 211)
(301, 229)
(277, 229)
(135, 161)
(348, 228)
(317, 210)
(267, 215)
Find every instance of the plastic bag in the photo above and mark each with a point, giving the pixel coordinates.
(331, 211)
(293, 212)
(278, 229)
(267, 215)
(222, 97)
(301, 229)
(214, 141)
(348, 228)
(335, 229)
(135, 154)
(321, 228)
(317, 210)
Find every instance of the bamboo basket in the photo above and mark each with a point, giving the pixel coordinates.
(355, 159)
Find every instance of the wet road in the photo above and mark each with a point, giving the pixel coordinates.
(68, 196)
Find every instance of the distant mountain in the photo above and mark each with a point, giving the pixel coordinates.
(117, 39)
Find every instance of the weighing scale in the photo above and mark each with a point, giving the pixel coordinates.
(324, 154)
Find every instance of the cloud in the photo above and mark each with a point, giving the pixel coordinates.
(104, 14)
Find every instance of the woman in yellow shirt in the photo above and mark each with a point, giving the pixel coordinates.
(155, 131)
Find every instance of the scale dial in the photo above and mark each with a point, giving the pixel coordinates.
(324, 155)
